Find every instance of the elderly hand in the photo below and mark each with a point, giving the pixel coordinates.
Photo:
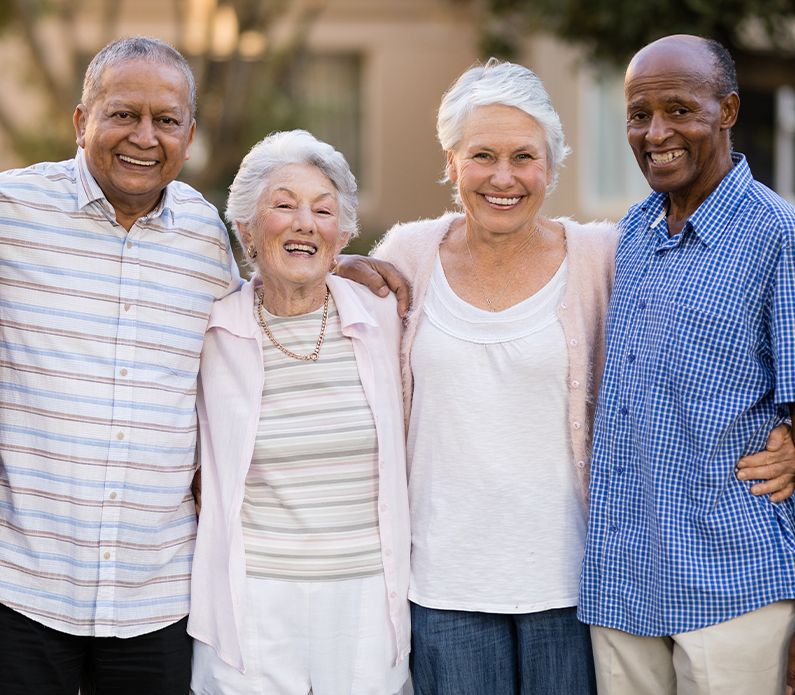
(378, 276)
(775, 465)
(196, 489)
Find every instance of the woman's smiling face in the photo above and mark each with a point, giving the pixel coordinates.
(501, 168)
(295, 231)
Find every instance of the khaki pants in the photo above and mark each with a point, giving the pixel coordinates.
(743, 656)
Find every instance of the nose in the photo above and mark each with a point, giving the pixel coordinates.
(143, 135)
(658, 130)
(304, 220)
(502, 175)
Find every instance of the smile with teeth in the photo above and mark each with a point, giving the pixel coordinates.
(138, 162)
(665, 157)
(502, 201)
(304, 248)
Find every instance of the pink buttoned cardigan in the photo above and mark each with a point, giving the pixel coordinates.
(590, 249)
(231, 378)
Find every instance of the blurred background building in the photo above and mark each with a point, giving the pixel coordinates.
(367, 75)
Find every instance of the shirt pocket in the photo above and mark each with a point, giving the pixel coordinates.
(707, 348)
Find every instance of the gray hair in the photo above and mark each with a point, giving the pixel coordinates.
(136, 48)
(506, 84)
(281, 149)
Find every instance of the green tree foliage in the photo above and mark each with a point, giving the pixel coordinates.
(612, 30)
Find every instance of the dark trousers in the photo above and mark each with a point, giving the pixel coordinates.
(37, 659)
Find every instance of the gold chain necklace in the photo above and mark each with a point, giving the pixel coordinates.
(486, 298)
(312, 356)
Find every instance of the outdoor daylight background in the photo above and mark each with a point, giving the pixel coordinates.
(367, 76)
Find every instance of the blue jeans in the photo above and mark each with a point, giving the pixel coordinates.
(466, 653)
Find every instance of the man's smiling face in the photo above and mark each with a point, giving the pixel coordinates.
(136, 133)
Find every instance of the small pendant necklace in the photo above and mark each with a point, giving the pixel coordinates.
(486, 298)
(312, 356)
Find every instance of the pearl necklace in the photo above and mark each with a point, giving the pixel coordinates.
(312, 356)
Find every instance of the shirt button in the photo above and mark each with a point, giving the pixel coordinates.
(624, 410)
(123, 372)
(392, 595)
(129, 244)
(613, 528)
(576, 425)
(630, 358)
(119, 435)
(388, 552)
(113, 495)
(642, 304)
(619, 470)
(126, 307)
(575, 384)
(563, 305)
(580, 464)
(106, 555)
(573, 342)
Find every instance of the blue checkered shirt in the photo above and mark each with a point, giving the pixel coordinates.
(700, 367)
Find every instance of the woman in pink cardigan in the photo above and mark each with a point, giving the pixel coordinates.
(301, 566)
(501, 358)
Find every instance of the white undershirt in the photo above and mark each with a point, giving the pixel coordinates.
(497, 525)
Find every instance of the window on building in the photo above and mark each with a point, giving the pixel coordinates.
(610, 179)
(327, 88)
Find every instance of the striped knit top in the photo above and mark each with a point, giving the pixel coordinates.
(309, 511)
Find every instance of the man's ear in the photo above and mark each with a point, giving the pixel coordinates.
(79, 121)
(729, 110)
(191, 133)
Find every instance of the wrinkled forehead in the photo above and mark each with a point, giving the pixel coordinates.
(147, 79)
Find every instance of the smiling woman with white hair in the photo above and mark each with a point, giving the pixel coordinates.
(300, 574)
(502, 355)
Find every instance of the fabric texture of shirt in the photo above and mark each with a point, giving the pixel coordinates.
(700, 367)
(229, 400)
(497, 470)
(413, 248)
(310, 506)
(100, 335)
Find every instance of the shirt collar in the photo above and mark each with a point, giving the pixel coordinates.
(237, 315)
(88, 191)
(710, 218)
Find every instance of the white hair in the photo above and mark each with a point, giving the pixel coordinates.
(506, 84)
(281, 149)
(136, 48)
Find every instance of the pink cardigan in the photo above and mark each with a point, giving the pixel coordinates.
(228, 402)
(590, 249)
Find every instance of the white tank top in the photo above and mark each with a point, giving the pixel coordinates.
(497, 524)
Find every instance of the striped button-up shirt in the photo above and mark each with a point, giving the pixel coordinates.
(100, 335)
(700, 367)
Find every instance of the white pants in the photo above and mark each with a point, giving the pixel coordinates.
(327, 638)
(743, 656)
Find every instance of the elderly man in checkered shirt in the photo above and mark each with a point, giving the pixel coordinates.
(689, 579)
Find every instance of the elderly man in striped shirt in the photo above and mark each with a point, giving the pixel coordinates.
(109, 270)
(688, 578)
